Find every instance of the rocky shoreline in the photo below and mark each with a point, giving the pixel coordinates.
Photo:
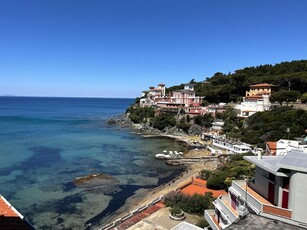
(191, 140)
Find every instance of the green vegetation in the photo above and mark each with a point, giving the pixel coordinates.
(164, 120)
(175, 211)
(229, 87)
(234, 168)
(304, 98)
(202, 223)
(139, 114)
(285, 96)
(204, 121)
(195, 204)
(272, 125)
(184, 125)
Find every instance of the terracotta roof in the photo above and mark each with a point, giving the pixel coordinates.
(5, 208)
(271, 144)
(261, 85)
(198, 186)
(10, 218)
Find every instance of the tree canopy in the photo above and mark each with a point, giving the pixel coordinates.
(228, 87)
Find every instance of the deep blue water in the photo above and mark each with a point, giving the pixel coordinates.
(46, 143)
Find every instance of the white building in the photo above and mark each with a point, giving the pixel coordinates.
(284, 146)
(251, 105)
(231, 147)
(278, 192)
(256, 100)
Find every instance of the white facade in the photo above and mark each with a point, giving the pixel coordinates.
(249, 106)
(225, 144)
(284, 146)
(278, 192)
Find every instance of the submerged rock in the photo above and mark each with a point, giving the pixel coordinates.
(95, 180)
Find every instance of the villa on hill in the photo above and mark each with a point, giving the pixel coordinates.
(174, 102)
(256, 100)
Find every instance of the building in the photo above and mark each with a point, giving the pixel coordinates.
(217, 126)
(259, 89)
(251, 105)
(270, 148)
(277, 192)
(215, 109)
(153, 95)
(10, 218)
(186, 96)
(284, 146)
(256, 100)
(231, 147)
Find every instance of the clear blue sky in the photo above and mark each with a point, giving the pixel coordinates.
(117, 48)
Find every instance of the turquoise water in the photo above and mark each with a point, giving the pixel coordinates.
(46, 143)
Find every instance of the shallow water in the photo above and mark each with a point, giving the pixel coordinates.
(46, 143)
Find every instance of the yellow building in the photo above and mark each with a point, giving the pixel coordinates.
(259, 89)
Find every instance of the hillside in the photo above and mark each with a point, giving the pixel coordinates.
(231, 87)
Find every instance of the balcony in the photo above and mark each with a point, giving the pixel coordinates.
(210, 218)
(222, 204)
(256, 202)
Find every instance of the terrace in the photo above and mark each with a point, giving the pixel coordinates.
(256, 202)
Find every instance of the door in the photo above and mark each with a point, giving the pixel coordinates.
(233, 201)
(271, 188)
(285, 193)
(285, 199)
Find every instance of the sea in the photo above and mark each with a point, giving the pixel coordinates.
(46, 143)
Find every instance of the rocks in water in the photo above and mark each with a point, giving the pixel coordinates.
(98, 183)
(111, 122)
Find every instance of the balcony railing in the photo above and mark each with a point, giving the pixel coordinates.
(259, 207)
(225, 209)
(239, 189)
(209, 216)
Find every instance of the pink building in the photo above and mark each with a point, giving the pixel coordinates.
(186, 96)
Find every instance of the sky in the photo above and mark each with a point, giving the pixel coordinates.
(118, 48)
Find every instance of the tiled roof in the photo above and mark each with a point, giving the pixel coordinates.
(261, 85)
(10, 218)
(271, 144)
(5, 208)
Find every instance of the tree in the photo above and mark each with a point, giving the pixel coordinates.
(164, 120)
(304, 98)
(138, 114)
(285, 96)
(183, 125)
(204, 120)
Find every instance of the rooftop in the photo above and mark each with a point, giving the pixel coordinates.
(295, 160)
(185, 226)
(10, 218)
(255, 222)
(261, 85)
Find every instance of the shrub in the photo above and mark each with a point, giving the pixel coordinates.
(202, 223)
(138, 114)
(304, 98)
(164, 120)
(195, 204)
(175, 211)
(216, 181)
(205, 174)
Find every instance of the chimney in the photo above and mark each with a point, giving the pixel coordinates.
(259, 155)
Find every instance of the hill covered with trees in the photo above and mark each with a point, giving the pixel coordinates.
(232, 86)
